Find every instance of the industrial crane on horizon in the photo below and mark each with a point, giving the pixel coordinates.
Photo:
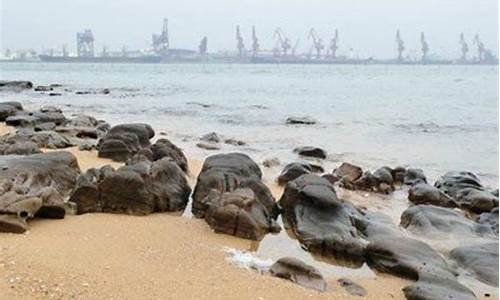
(317, 42)
(282, 41)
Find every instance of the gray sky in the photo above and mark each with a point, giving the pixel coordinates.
(368, 26)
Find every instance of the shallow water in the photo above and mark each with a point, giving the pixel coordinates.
(437, 118)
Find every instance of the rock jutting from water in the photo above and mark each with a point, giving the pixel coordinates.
(300, 121)
(230, 195)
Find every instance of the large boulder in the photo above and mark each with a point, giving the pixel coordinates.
(43, 139)
(8, 109)
(125, 140)
(165, 148)
(436, 222)
(480, 260)
(16, 85)
(239, 213)
(467, 191)
(322, 223)
(34, 186)
(413, 176)
(423, 193)
(139, 189)
(231, 197)
(348, 171)
(310, 151)
(489, 219)
(298, 272)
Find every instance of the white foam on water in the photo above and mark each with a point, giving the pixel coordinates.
(248, 260)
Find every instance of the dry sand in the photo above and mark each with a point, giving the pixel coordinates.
(161, 256)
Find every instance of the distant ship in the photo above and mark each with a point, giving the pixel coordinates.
(147, 59)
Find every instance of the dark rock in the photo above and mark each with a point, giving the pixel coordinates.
(271, 162)
(480, 260)
(165, 148)
(430, 287)
(48, 126)
(311, 152)
(239, 213)
(380, 181)
(211, 137)
(298, 272)
(20, 120)
(300, 120)
(414, 176)
(422, 193)
(224, 173)
(22, 148)
(139, 189)
(321, 222)
(34, 186)
(208, 145)
(43, 139)
(43, 88)
(489, 219)
(293, 171)
(348, 171)
(8, 109)
(15, 85)
(436, 222)
(352, 287)
(125, 140)
(234, 142)
(398, 174)
(331, 178)
(467, 191)
(231, 197)
(475, 200)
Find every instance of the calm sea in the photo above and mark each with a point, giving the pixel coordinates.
(437, 118)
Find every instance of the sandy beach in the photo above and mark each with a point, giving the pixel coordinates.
(161, 256)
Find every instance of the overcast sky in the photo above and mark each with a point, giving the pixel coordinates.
(367, 27)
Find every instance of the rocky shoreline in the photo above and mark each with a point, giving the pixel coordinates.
(232, 196)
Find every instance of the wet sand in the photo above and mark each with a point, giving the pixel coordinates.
(161, 256)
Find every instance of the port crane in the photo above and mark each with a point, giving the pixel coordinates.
(400, 44)
(333, 47)
(202, 48)
(317, 42)
(239, 42)
(425, 46)
(480, 47)
(255, 43)
(464, 47)
(85, 43)
(294, 48)
(282, 41)
(161, 42)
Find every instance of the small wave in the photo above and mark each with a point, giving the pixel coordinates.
(248, 260)
(432, 127)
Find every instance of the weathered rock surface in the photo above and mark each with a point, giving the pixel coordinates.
(320, 221)
(467, 191)
(34, 186)
(480, 260)
(141, 188)
(271, 162)
(310, 151)
(124, 141)
(300, 120)
(6, 85)
(352, 287)
(8, 109)
(380, 181)
(438, 222)
(239, 213)
(231, 197)
(293, 171)
(348, 171)
(489, 219)
(423, 193)
(413, 176)
(298, 272)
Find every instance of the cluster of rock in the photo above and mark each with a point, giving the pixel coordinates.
(47, 128)
(212, 141)
(153, 179)
(334, 228)
(231, 197)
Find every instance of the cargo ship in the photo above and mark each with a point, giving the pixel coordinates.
(151, 59)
